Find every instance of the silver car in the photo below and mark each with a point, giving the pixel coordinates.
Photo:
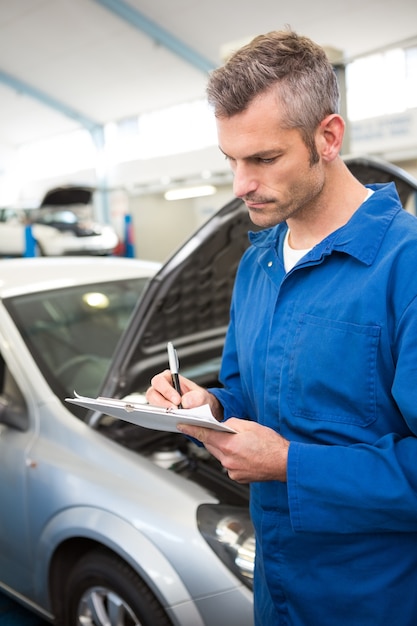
(103, 522)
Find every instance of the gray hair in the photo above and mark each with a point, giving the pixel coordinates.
(292, 65)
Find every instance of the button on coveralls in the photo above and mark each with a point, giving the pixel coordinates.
(326, 355)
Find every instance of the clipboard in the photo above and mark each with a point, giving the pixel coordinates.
(153, 417)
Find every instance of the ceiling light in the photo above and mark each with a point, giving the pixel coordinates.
(190, 192)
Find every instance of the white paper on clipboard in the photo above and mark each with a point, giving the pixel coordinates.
(148, 416)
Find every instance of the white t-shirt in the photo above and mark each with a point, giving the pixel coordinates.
(292, 256)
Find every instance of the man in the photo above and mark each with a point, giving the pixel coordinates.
(320, 358)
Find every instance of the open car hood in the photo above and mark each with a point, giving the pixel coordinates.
(68, 195)
(373, 170)
(188, 301)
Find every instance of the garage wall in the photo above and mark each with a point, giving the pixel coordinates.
(161, 226)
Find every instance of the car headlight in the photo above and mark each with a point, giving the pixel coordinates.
(229, 532)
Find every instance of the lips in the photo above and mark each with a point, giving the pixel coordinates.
(256, 206)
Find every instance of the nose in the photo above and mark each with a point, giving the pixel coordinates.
(244, 181)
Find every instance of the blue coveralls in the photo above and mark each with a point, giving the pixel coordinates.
(327, 356)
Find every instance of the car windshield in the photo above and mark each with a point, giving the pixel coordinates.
(72, 333)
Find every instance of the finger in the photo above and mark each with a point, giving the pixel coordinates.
(193, 431)
(162, 389)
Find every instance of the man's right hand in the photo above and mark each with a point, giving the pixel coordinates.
(162, 393)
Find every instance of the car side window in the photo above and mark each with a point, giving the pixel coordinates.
(13, 408)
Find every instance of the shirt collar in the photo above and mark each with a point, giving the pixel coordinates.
(373, 217)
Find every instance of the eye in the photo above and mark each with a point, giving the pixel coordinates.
(267, 161)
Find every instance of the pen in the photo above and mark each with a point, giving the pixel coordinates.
(173, 366)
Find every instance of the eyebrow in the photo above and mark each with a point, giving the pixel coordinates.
(265, 154)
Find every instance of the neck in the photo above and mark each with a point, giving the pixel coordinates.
(341, 196)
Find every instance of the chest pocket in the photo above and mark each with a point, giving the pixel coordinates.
(332, 371)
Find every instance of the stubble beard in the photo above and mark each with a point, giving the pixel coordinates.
(302, 204)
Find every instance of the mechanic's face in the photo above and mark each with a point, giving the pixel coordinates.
(271, 164)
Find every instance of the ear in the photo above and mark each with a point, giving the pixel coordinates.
(329, 136)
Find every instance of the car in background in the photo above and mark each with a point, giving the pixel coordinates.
(52, 233)
(63, 225)
(104, 522)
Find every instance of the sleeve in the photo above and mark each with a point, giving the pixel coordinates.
(230, 395)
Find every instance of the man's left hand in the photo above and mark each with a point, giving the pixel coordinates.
(254, 453)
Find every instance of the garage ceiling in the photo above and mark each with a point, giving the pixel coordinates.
(66, 63)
